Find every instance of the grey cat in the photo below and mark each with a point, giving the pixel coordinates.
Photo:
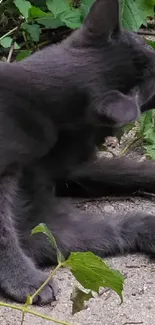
(57, 106)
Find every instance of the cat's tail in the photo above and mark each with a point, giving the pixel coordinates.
(113, 235)
(105, 236)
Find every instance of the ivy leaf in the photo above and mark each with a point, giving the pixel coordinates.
(91, 271)
(33, 30)
(23, 54)
(134, 13)
(23, 6)
(42, 228)
(58, 7)
(50, 22)
(151, 43)
(36, 12)
(85, 6)
(78, 297)
(7, 41)
(146, 9)
(150, 150)
(147, 130)
(46, 19)
(40, 3)
(71, 17)
(146, 122)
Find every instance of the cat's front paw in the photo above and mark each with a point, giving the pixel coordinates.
(24, 285)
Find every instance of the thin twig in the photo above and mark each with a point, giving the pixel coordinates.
(8, 33)
(23, 318)
(132, 323)
(26, 310)
(129, 145)
(11, 51)
(144, 194)
(13, 42)
(135, 266)
(146, 33)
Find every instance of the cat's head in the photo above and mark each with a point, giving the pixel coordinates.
(128, 63)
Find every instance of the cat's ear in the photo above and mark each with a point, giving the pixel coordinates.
(120, 109)
(103, 19)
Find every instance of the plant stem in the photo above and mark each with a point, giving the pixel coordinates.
(9, 33)
(23, 318)
(47, 281)
(127, 147)
(26, 310)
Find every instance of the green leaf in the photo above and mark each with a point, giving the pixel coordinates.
(44, 18)
(71, 17)
(58, 7)
(147, 130)
(91, 271)
(150, 151)
(39, 3)
(7, 41)
(35, 12)
(33, 30)
(23, 6)
(23, 54)
(85, 6)
(146, 122)
(151, 43)
(146, 9)
(134, 13)
(50, 22)
(78, 297)
(42, 228)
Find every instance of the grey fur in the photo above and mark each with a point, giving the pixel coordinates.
(56, 108)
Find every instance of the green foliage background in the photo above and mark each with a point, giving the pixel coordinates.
(51, 14)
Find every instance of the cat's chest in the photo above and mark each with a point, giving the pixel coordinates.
(72, 148)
